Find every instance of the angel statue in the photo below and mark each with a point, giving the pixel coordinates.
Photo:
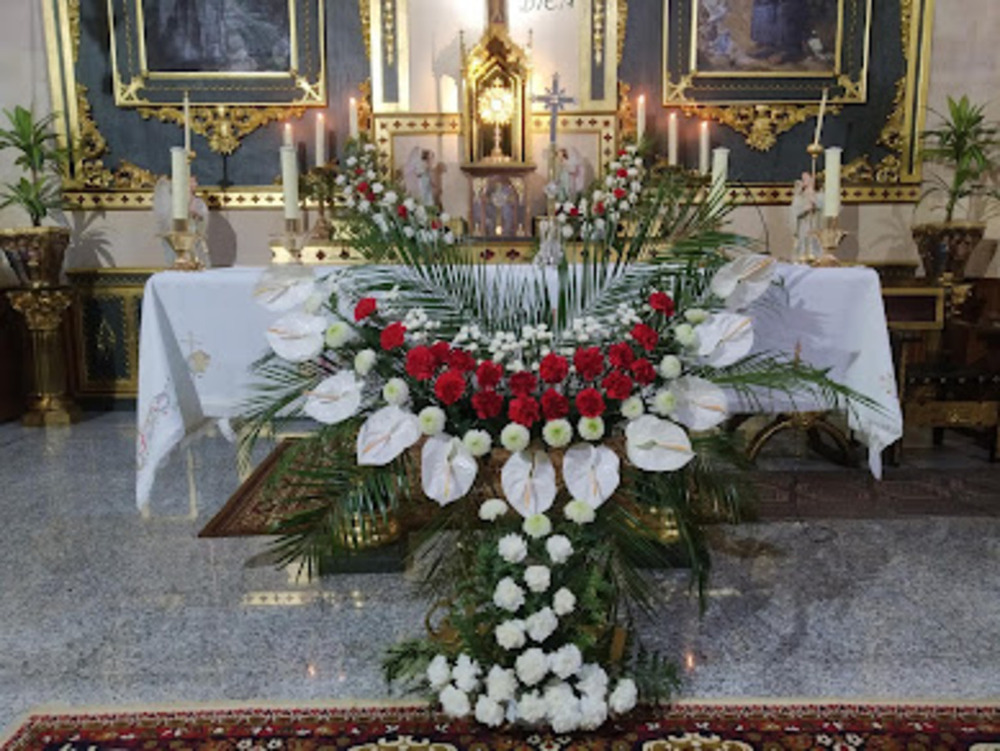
(197, 219)
(550, 250)
(570, 174)
(805, 212)
(418, 175)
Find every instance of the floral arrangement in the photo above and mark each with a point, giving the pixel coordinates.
(544, 412)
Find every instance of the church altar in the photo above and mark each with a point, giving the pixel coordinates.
(201, 332)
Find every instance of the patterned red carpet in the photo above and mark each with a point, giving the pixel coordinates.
(727, 727)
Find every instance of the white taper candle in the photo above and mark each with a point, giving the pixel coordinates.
(819, 119)
(640, 119)
(320, 139)
(704, 147)
(720, 173)
(352, 117)
(187, 123)
(180, 183)
(286, 136)
(672, 139)
(831, 189)
(290, 181)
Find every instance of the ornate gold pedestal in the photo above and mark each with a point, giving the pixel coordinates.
(48, 400)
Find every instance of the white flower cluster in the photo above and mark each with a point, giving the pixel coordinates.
(419, 326)
(595, 218)
(521, 351)
(543, 681)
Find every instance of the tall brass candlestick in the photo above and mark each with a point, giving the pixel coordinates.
(182, 241)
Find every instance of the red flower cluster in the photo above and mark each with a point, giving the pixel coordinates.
(589, 363)
(661, 302)
(366, 306)
(645, 336)
(392, 336)
(553, 368)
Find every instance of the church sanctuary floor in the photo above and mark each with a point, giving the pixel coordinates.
(102, 607)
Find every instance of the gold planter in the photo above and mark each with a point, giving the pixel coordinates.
(945, 247)
(35, 254)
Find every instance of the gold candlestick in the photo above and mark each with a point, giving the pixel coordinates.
(182, 241)
(294, 240)
(829, 236)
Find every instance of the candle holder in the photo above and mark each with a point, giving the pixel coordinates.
(829, 238)
(182, 241)
(294, 239)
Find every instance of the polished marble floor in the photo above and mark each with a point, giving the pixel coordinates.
(100, 606)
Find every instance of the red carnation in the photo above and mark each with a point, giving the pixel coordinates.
(644, 371)
(370, 197)
(554, 405)
(553, 368)
(524, 411)
(402, 212)
(522, 383)
(365, 307)
(662, 302)
(421, 363)
(488, 374)
(441, 352)
(621, 355)
(590, 403)
(617, 386)
(449, 387)
(599, 208)
(487, 403)
(622, 152)
(645, 336)
(619, 193)
(575, 211)
(359, 171)
(589, 363)
(362, 187)
(392, 336)
(461, 360)
(435, 224)
(622, 172)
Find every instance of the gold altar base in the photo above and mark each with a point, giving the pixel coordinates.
(49, 403)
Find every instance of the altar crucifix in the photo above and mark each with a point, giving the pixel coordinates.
(555, 100)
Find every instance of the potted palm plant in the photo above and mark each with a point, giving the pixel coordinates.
(965, 143)
(35, 253)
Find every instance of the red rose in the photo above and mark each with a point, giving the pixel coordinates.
(553, 368)
(590, 403)
(402, 212)
(461, 360)
(645, 336)
(522, 383)
(365, 307)
(524, 411)
(644, 371)
(487, 403)
(589, 363)
(554, 405)
(488, 374)
(599, 208)
(449, 387)
(441, 352)
(619, 193)
(421, 363)
(362, 187)
(662, 302)
(392, 336)
(622, 172)
(621, 355)
(617, 386)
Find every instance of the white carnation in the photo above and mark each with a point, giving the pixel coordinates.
(559, 548)
(531, 707)
(512, 548)
(438, 672)
(664, 402)
(515, 437)
(466, 673)
(558, 433)
(592, 680)
(510, 634)
(501, 684)
(541, 625)
(454, 703)
(593, 712)
(538, 578)
(432, 420)
(566, 661)
(364, 361)
(337, 334)
(532, 666)
(685, 335)
(508, 595)
(492, 509)
(563, 708)
(537, 526)
(591, 428)
(696, 316)
(478, 442)
(624, 697)
(579, 512)
(396, 391)
(489, 712)
(632, 408)
(564, 602)
(670, 366)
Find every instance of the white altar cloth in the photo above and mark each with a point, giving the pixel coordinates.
(201, 331)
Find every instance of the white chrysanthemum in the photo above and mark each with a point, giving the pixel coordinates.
(558, 433)
(466, 673)
(432, 420)
(438, 672)
(559, 548)
(515, 437)
(685, 335)
(541, 625)
(454, 703)
(592, 680)
(664, 402)
(337, 334)
(510, 634)
(564, 602)
(566, 661)
(512, 548)
(364, 361)
(579, 512)
(538, 578)
(624, 697)
(632, 408)
(489, 712)
(508, 595)
(531, 707)
(478, 442)
(670, 366)
(532, 666)
(695, 316)
(591, 428)
(537, 526)
(396, 391)
(492, 509)
(501, 684)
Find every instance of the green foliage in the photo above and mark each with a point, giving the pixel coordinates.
(965, 143)
(40, 156)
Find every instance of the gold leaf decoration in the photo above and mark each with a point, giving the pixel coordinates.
(622, 26)
(366, 25)
(73, 14)
(223, 127)
(760, 123)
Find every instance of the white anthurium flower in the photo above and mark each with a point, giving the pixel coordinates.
(656, 445)
(335, 398)
(724, 338)
(297, 336)
(592, 473)
(529, 482)
(744, 279)
(282, 288)
(447, 469)
(386, 434)
(701, 405)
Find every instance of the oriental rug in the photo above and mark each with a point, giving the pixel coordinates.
(685, 727)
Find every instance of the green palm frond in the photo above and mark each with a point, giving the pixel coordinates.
(278, 393)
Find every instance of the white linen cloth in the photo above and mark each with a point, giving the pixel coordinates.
(201, 332)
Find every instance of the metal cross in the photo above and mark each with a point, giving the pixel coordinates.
(555, 100)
